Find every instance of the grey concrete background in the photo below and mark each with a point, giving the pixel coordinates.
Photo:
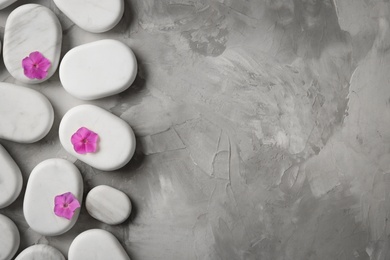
(262, 128)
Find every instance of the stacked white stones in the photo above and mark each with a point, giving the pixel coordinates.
(27, 116)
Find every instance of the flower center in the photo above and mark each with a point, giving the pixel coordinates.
(66, 205)
(84, 141)
(35, 66)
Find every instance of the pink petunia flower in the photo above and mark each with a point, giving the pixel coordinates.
(65, 205)
(84, 141)
(36, 66)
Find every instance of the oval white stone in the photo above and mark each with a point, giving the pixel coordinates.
(5, 3)
(98, 69)
(30, 28)
(26, 115)
(96, 244)
(11, 180)
(9, 238)
(43, 252)
(116, 143)
(108, 205)
(48, 179)
(94, 16)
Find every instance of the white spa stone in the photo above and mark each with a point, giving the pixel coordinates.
(30, 28)
(11, 180)
(26, 115)
(96, 244)
(5, 3)
(92, 15)
(40, 252)
(9, 238)
(48, 179)
(108, 205)
(116, 143)
(98, 69)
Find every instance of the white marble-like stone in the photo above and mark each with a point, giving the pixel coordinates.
(30, 28)
(48, 179)
(26, 115)
(40, 252)
(11, 180)
(92, 15)
(116, 143)
(9, 238)
(96, 244)
(108, 205)
(98, 69)
(5, 3)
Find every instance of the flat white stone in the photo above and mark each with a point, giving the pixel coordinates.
(5, 3)
(30, 28)
(9, 238)
(11, 180)
(96, 244)
(40, 252)
(98, 69)
(108, 205)
(92, 15)
(48, 179)
(26, 115)
(116, 143)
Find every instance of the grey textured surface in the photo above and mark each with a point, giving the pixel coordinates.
(262, 128)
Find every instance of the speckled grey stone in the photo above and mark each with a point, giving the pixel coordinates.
(108, 204)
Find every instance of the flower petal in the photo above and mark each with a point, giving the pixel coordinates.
(29, 73)
(28, 68)
(83, 132)
(93, 137)
(27, 63)
(40, 74)
(36, 57)
(59, 210)
(44, 65)
(76, 138)
(79, 148)
(75, 204)
(90, 147)
(59, 200)
(68, 197)
(67, 213)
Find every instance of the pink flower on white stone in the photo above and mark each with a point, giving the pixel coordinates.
(36, 66)
(65, 205)
(84, 141)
